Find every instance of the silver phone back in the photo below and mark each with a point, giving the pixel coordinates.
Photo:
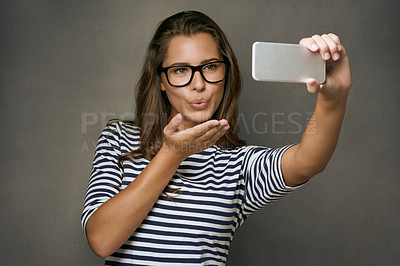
(283, 62)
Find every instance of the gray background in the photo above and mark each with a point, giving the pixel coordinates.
(69, 66)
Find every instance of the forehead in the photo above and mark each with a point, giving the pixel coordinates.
(193, 49)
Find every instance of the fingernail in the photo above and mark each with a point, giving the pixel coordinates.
(339, 47)
(336, 56)
(178, 117)
(314, 47)
(327, 56)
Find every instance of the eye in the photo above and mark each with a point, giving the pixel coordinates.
(210, 67)
(180, 70)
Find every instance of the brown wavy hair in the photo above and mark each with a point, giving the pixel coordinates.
(152, 105)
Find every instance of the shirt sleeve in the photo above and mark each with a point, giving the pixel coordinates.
(106, 175)
(263, 177)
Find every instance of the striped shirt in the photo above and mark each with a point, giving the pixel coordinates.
(218, 190)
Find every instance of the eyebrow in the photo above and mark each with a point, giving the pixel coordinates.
(202, 62)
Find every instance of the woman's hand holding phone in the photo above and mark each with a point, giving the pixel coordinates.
(338, 73)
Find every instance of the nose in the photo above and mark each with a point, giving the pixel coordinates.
(198, 82)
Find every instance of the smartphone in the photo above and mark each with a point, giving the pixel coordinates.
(284, 62)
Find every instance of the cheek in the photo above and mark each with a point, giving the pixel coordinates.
(164, 86)
(220, 93)
(174, 98)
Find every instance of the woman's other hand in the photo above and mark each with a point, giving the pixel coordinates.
(185, 142)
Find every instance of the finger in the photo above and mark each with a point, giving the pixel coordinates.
(204, 134)
(219, 134)
(310, 44)
(201, 142)
(214, 134)
(333, 50)
(173, 125)
(312, 85)
(336, 39)
(211, 137)
(201, 129)
(323, 47)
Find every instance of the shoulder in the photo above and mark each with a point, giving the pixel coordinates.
(121, 134)
(121, 128)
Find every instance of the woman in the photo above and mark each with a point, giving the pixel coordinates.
(174, 188)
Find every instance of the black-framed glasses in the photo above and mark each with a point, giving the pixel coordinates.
(182, 75)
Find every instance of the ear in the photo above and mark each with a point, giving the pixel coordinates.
(162, 86)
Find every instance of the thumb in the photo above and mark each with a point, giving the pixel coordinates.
(313, 85)
(173, 125)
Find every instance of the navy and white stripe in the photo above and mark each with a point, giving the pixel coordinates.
(218, 190)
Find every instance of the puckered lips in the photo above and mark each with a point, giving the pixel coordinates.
(199, 104)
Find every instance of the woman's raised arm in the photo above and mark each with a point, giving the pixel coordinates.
(319, 140)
